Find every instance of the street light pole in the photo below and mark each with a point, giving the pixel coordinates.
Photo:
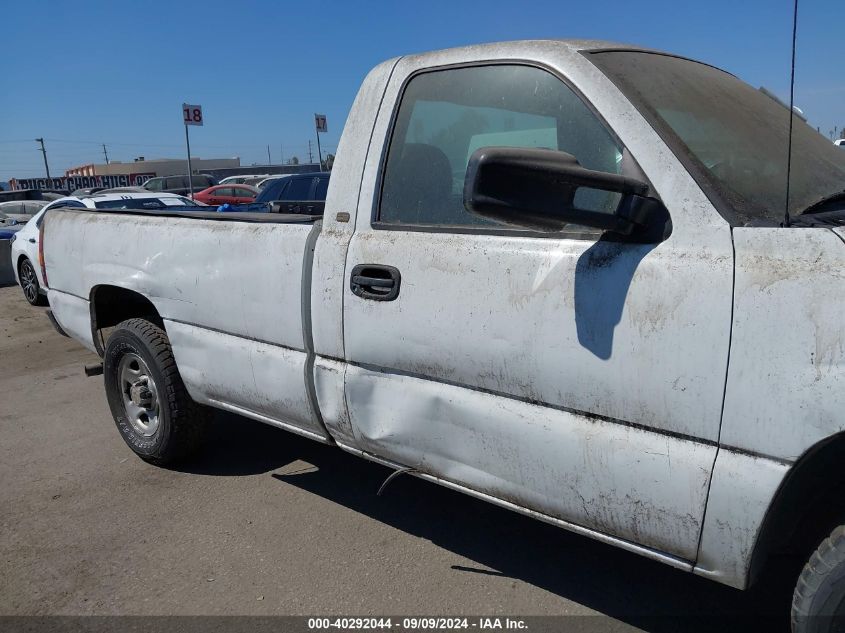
(44, 151)
(190, 170)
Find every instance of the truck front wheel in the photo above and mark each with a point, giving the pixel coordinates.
(818, 605)
(149, 403)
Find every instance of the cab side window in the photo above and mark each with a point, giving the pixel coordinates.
(444, 116)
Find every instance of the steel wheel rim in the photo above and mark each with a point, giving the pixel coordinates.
(29, 282)
(140, 395)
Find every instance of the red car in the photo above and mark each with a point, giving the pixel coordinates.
(233, 194)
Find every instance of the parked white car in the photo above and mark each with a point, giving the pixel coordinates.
(25, 258)
(241, 179)
(263, 183)
(840, 142)
(25, 241)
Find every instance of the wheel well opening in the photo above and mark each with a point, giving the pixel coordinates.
(111, 305)
(806, 507)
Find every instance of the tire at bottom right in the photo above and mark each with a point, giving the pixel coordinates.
(818, 604)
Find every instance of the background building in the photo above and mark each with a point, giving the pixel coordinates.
(157, 166)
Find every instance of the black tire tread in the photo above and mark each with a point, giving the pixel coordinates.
(826, 561)
(40, 299)
(187, 417)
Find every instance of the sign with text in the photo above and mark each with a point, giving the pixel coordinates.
(191, 114)
(70, 183)
(321, 123)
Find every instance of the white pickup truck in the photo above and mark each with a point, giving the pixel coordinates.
(556, 275)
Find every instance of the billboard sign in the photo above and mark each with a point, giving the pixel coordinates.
(70, 183)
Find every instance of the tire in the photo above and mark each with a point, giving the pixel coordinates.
(149, 403)
(29, 284)
(818, 604)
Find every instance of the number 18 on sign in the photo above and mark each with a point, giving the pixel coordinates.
(191, 115)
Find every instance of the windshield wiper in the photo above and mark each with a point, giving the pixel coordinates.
(819, 206)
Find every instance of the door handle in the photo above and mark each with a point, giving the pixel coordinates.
(375, 282)
(31, 240)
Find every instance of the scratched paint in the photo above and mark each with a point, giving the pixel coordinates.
(787, 368)
(579, 381)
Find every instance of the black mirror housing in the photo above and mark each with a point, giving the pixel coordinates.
(535, 189)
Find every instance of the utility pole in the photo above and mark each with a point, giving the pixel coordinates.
(44, 151)
(282, 153)
(320, 125)
(105, 153)
(269, 160)
(310, 155)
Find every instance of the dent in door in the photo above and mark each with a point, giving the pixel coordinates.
(641, 486)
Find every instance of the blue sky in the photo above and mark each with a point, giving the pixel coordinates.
(84, 73)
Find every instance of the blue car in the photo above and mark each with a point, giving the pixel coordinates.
(8, 227)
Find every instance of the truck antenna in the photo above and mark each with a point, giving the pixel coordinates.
(791, 111)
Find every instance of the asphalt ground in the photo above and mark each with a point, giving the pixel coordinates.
(268, 523)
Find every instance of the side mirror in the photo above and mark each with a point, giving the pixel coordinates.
(535, 189)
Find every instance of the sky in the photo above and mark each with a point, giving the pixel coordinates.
(80, 74)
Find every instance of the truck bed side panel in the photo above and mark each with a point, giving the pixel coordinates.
(74, 315)
(229, 294)
(256, 377)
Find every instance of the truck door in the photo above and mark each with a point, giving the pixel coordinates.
(568, 373)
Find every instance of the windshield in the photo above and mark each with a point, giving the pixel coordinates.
(732, 137)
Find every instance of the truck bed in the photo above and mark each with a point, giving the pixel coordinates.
(226, 285)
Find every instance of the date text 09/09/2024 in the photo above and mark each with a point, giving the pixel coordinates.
(411, 623)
